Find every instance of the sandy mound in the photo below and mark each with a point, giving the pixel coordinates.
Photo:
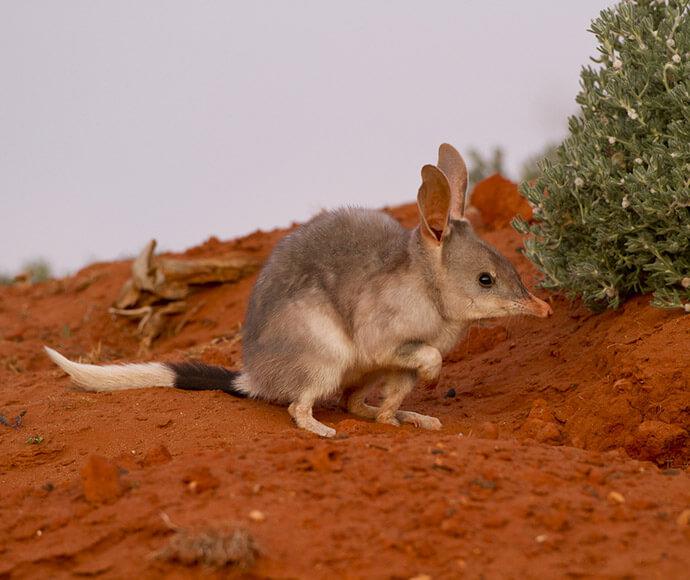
(564, 453)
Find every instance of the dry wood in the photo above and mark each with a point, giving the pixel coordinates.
(158, 287)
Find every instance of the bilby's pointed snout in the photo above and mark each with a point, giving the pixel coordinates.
(537, 307)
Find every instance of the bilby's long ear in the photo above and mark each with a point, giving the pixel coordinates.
(453, 165)
(434, 199)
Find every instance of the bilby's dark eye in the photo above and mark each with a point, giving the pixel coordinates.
(486, 280)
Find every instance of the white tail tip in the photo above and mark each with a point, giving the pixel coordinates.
(114, 377)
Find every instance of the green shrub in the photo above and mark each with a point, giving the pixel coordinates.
(530, 167)
(613, 210)
(481, 166)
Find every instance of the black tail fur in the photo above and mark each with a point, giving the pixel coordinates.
(197, 376)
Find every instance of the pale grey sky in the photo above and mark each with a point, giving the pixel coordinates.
(121, 121)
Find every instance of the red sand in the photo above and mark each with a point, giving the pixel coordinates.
(564, 453)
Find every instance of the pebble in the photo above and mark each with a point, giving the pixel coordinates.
(100, 480)
(200, 479)
(257, 516)
(159, 455)
(483, 483)
(614, 497)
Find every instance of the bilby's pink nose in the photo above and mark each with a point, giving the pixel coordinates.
(538, 307)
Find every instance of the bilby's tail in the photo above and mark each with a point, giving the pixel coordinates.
(186, 375)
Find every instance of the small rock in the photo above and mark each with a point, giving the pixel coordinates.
(100, 480)
(539, 430)
(590, 490)
(450, 394)
(655, 439)
(483, 483)
(200, 479)
(541, 410)
(157, 456)
(257, 516)
(487, 430)
(615, 498)
(684, 518)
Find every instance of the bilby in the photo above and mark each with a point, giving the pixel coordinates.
(351, 301)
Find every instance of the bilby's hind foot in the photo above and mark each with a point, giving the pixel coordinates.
(419, 420)
(387, 419)
(301, 414)
(416, 419)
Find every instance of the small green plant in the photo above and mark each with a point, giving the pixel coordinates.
(40, 270)
(37, 270)
(481, 167)
(530, 167)
(35, 440)
(612, 212)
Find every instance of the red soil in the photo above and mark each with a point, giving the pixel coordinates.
(564, 452)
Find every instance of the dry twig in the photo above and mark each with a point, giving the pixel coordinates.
(159, 286)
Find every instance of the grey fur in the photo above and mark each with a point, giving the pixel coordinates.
(352, 301)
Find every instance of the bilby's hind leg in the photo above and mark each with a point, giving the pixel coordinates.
(301, 412)
(397, 387)
(354, 399)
